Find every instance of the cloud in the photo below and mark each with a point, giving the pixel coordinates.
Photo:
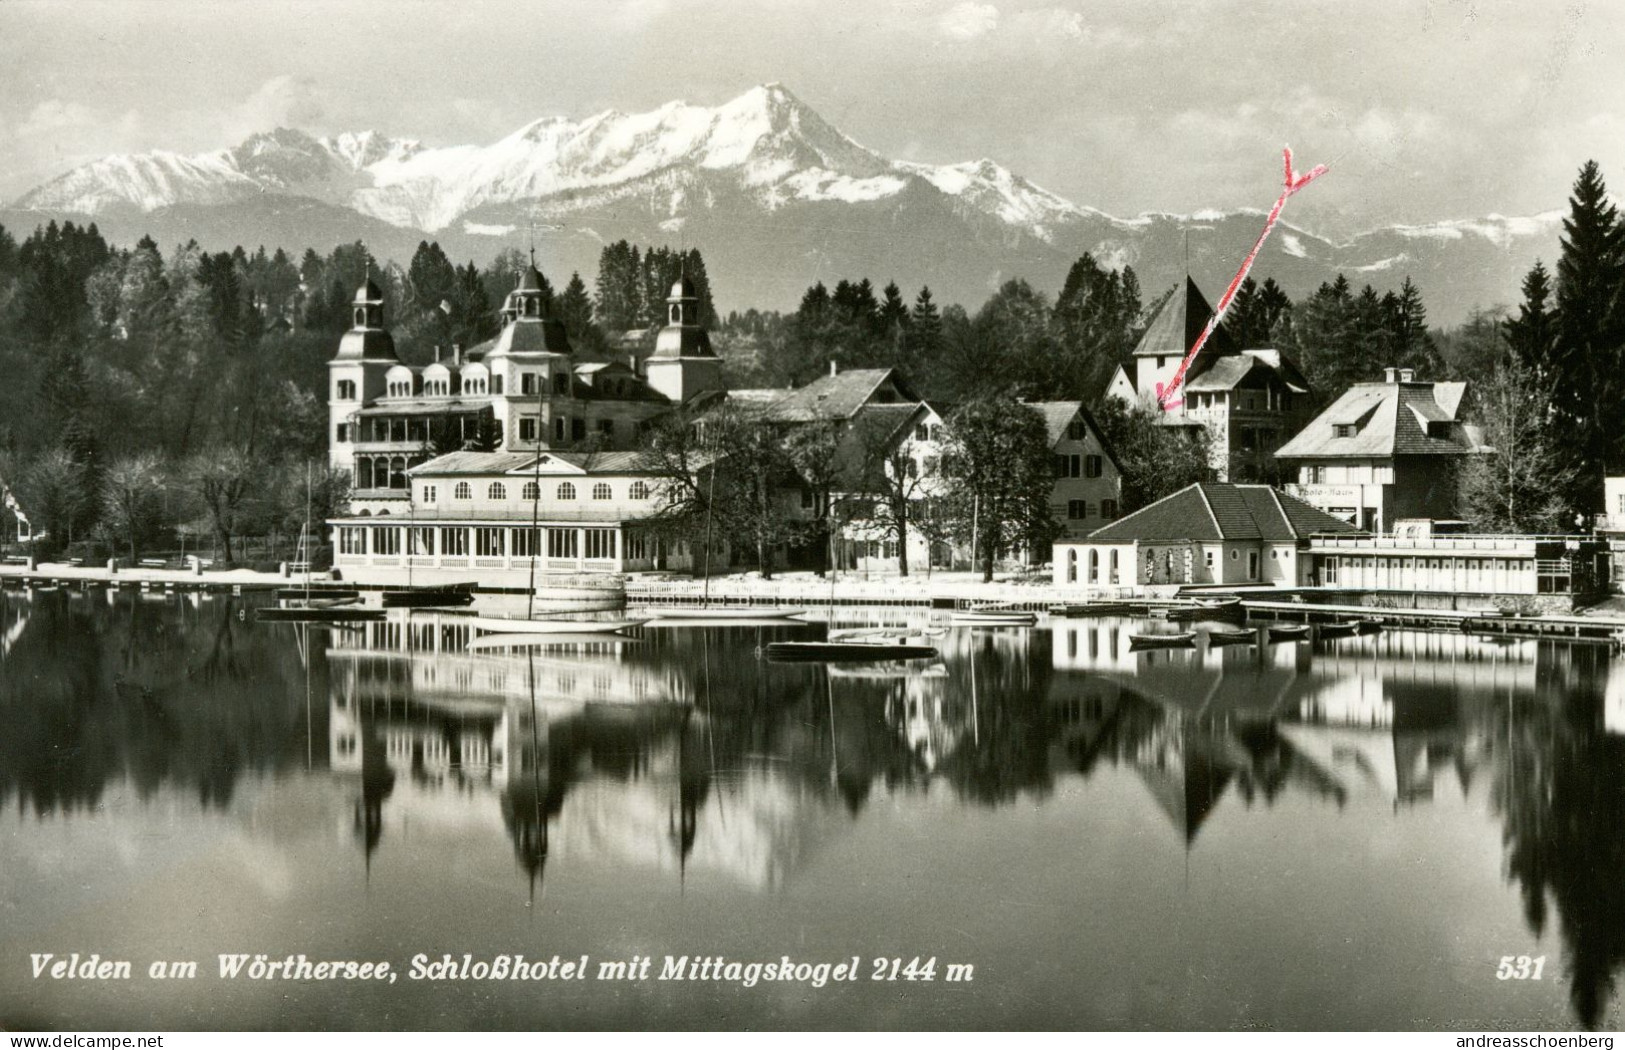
(969, 20)
(58, 134)
(282, 101)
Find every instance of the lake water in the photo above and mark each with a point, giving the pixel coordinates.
(1344, 834)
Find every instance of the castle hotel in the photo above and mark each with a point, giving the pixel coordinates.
(565, 485)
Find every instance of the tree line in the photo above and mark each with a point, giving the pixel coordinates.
(188, 354)
(1547, 394)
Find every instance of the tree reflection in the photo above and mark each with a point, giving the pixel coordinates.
(155, 693)
(1561, 792)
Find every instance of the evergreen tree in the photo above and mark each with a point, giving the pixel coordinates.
(814, 305)
(1586, 355)
(694, 266)
(1532, 335)
(1411, 343)
(574, 308)
(1094, 320)
(473, 318)
(924, 331)
(893, 311)
(617, 306)
(431, 278)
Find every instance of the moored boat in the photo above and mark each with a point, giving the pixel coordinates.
(1082, 609)
(1339, 629)
(318, 614)
(845, 652)
(1181, 640)
(315, 591)
(519, 625)
(428, 597)
(713, 612)
(995, 617)
(1288, 632)
(1370, 625)
(1231, 636)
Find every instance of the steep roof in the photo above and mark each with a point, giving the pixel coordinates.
(1222, 511)
(837, 396)
(1173, 331)
(872, 427)
(1058, 416)
(1389, 419)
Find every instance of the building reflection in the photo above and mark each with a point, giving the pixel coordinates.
(1394, 719)
(684, 753)
(605, 750)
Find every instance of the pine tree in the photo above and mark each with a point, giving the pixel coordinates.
(1532, 335)
(1587, 359)
(1412, 346)
(695, 269)
(1274, 305)
(431, 278)
(574, 309)
(814, 304)
(893, 311)
(924, 331)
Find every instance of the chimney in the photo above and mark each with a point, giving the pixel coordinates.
(457, 353)
(437, 353)
(1390, 375)
(1407, 375)
(832, 369)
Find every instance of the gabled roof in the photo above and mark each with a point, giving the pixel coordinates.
(838, 396)
(1390, 419)
(1058, 415)
(872, 428)
(1173, 331)
(1220, 511)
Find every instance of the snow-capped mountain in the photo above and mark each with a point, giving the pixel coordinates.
(775, 195)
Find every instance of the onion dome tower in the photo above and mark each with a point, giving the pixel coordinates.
(683, 364)
(358, 372)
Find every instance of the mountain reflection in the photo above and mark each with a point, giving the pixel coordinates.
(683, 752)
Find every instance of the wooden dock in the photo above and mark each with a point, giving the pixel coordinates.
(1584, 629)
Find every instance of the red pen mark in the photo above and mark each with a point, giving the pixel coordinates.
(1293, 183)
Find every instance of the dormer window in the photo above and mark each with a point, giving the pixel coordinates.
(1345, 430)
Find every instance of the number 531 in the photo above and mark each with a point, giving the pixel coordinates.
(1520, 968)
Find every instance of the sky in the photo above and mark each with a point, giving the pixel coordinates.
(1424, 109)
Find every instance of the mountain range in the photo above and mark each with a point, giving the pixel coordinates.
(773, 195)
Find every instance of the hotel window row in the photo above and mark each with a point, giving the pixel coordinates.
(488, 542)
(497, 492)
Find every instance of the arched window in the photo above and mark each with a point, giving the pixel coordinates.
(1072, 566)
(567, 491)
(463, 491)
(639, 490)
(601, 491)
(1094, 566)
(532, 492)
(497, 491)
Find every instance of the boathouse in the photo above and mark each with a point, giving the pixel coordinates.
(1210, 533)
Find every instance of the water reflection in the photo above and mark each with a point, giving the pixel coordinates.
(683, 753)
